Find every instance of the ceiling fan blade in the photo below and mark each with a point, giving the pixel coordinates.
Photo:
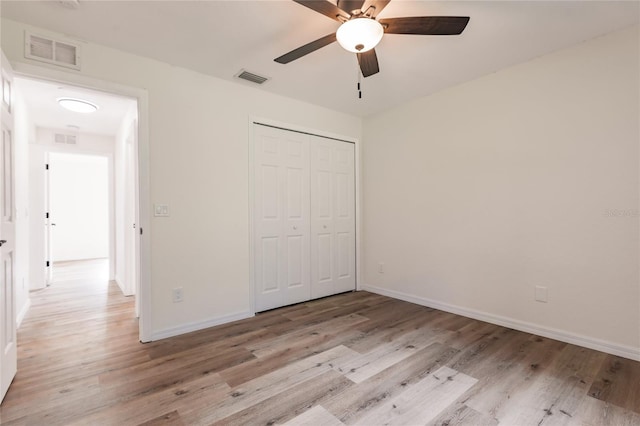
(425, 25)
(378, 5)
(368, 62)
(326, 8)
(350, 5)
(306, 49)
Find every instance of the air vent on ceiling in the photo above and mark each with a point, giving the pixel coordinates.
(252, 77)
(66, 139)
(51, 51)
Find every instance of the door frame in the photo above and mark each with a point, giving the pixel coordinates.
(22, 69)
(358, 193)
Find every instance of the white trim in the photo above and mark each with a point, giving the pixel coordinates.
(288, 126)
(141, 95)
(552, 333)
(301, 129)
(23, 312)
(199, 325)
(122, 289)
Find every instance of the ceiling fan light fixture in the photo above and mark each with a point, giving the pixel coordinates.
(77, 105)
(360, 35)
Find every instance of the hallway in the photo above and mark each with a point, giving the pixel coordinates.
(76, 329)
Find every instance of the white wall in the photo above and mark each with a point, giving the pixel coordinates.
(198, 129)
(39, 149)
(23, 132)
(79, 206)
(526, 177)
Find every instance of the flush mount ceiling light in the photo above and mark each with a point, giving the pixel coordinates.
(77, 105)
(360, 35)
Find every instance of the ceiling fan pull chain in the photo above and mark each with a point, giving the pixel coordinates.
(359, 80)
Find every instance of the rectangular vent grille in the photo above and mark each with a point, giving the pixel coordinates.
(249, 76)
(51, 51)
(65, 139)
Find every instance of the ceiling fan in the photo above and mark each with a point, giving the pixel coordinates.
(360, 32)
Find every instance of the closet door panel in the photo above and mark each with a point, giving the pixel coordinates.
(281, 212)
(344, 216)
(332, 217)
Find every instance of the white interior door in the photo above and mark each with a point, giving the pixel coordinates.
(281, 213)
(133, 208)
(333, 243)
(48, 225)
(8, 345)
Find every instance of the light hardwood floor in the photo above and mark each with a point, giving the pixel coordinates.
(356, 358)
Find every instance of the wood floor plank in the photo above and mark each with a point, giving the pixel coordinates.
(172, 419)
(365, 396)
(294, 351)
(618, 383)
(315, 416)
(594, 412)
(262, 388)
(461, 414)
(385, 355)
(335, 325)
(144, 408)
(440, 389)
(284, 406)
(514, 370)
(555, 397)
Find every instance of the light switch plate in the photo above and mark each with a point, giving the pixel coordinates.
(161, 210)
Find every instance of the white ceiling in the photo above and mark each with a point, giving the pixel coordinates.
(41, 99)
(221, 37)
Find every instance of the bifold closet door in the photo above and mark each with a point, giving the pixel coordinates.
(281, 213)
(333, 241)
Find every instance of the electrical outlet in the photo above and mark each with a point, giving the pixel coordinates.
(177, 295)
(381, 268)
(541, 294)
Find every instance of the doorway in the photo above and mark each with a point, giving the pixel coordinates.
(79, 207)
(38, 132)
(83, 186)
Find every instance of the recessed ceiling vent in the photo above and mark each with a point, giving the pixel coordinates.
(65, 138)
(51, 51)
(252, 77)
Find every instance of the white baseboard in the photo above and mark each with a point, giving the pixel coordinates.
(561, 335)
(195, 326)
(121, 287)
(23, 312)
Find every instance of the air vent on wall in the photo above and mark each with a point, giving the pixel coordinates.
(65, 139)
(51, 51)
(249, 76)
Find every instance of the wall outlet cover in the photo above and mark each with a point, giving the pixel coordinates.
(541, 294)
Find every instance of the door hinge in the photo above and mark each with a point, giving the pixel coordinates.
(140, 231)
(46, 215)
(46, 167)
(47, 263)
